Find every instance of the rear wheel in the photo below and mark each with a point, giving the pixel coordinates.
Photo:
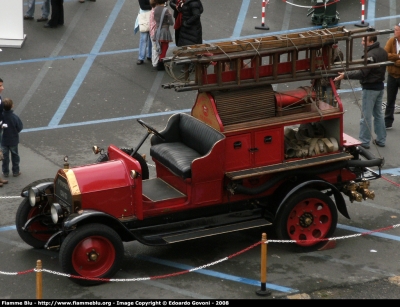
(136, 156)
(91, 251)
(307, 217)
(40, 230)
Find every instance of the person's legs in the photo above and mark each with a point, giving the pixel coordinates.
(164, 49)
(31, 8)
(149, 46)
(142, 46)
(392, 89)
(368, 101)
(154, 56)
(55, 14)
(6, 161)
(379, 121)
(15, 160)
(46, 9)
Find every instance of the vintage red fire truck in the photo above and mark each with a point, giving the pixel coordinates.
(247, 156)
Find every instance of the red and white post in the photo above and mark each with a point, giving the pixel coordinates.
(362, 23)
(263, 26)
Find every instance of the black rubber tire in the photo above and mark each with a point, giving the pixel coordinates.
(137, 156)
(32, 238)
(302, 207)
(97, 239)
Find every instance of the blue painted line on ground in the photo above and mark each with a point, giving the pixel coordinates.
(371, 11)
(7, 228)
(243, 280)
(241, 18)
(375, 234)
(392, 171)
(86, 66)
(107, 120)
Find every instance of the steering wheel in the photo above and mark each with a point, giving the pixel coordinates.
(151, 129)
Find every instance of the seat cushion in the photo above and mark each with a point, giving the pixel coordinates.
(175, 156)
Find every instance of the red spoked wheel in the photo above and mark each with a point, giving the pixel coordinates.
(91, 251)
(308, 217)
(40, 230)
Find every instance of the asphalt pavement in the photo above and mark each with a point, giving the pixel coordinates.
(79, 85)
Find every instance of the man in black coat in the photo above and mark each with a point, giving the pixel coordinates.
(190, 31)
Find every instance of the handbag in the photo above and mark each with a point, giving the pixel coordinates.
(144, 21)
(158, 32)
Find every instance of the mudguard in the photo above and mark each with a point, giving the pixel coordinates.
(321, 185)
(41, 187)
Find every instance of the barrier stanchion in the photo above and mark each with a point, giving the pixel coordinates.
(263, 26)
(263, 291)
(39, 281)
(362, 23)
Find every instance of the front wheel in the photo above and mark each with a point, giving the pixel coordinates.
(91, 251)
(307, 217)
(39, 230)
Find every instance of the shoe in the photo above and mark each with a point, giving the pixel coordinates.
(389, 127)
(376, 143)
(82, 1)
(28, 18)
(1, 185)
(148, 59)
(364, 146)
(139, 62)
(93, 0)
(160, 66)
(2, 181)
(42, 19)
(49, 26)
(5, 175)
(17, 174)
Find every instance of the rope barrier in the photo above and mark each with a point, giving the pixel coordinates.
(200, 267)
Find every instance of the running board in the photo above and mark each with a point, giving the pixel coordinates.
(196, 234)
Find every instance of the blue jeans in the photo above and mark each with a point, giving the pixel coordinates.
(45, 8)
(14, 159)
(372, 106)
(145, 42)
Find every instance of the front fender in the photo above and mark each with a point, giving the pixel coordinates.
(320, 185)
(93, 216)
(42, 187)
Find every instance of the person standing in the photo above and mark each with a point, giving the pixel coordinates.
(177, 16)
(154, 52)
(145, 41)
(162, 37)
(393, 82)
(2, 181)
(190, 29)
(371, 80)
(57, 14)
(12, 126)
(31, 11)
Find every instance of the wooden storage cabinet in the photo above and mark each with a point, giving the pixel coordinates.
(254, 149)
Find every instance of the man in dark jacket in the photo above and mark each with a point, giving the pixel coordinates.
(190, 29)
(371, 80)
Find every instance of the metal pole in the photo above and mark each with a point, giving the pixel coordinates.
(263, 291)
(39, 281)
(263, 26)
(362, 23)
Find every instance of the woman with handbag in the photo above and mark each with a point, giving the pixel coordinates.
(163, 19)
(143, 25)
